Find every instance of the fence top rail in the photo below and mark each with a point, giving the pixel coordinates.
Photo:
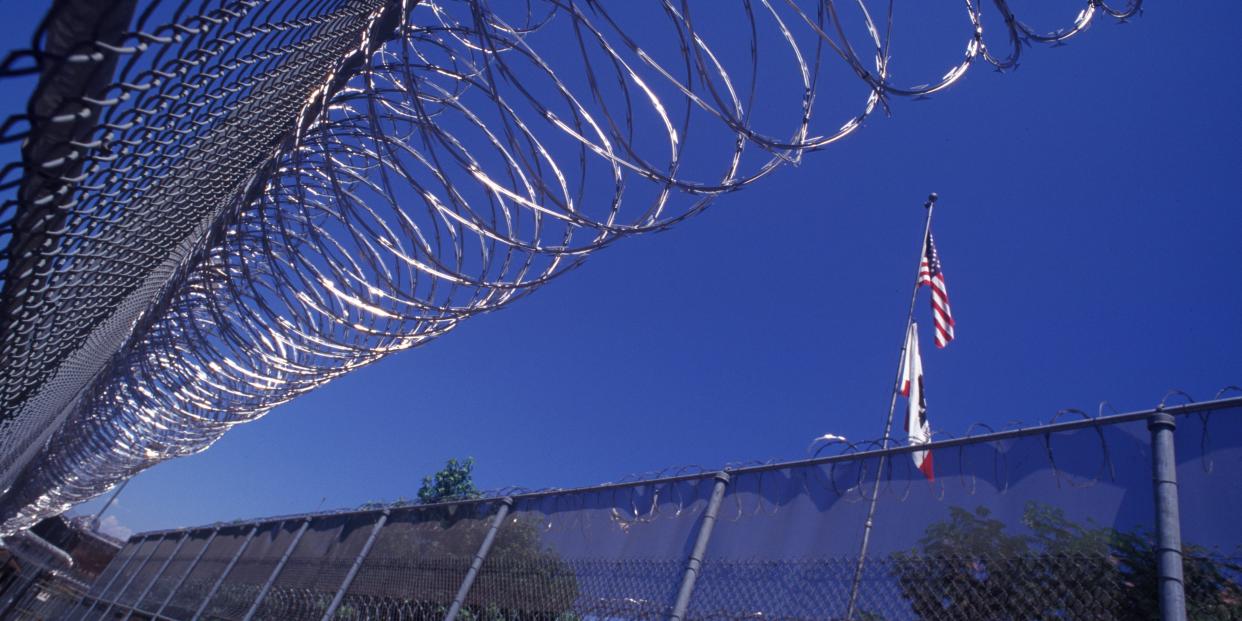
(53, 554)
(848, 455)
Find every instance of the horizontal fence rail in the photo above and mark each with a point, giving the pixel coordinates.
(1063, 520)
(849, 456)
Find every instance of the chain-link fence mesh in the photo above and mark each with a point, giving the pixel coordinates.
(418, 562)
(146, 573)
(203, 574)
(164, 115)
(1053, 522)
(130, 560)
(247, 576)
(614, 552)
(39, 579)
(50, 597)
(318, 565)
(173, 574)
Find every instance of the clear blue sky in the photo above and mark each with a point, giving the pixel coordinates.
(1089, 228)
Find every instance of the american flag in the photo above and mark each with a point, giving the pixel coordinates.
(931, 275)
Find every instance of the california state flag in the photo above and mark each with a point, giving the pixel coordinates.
(917, 429)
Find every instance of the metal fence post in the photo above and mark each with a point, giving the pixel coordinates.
(130, 581)
(1168, 522)
(225, 574)
(505, 504)
(188, 571)
(267, 586)
(95, 600)
(353, 569)
(158, 574)
(695, 565)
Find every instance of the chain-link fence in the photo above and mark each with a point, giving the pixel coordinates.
(1051, 522)
(39, 580)
(49, 597)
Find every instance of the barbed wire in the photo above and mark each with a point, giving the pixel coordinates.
(205, 226)
(619, 550)
(846, 473)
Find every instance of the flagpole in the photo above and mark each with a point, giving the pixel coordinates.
(930, 205)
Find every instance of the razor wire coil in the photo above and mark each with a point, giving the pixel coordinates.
(240, 203)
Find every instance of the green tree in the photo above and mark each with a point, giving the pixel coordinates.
(454, 482)
(970, 567)
(422, 555)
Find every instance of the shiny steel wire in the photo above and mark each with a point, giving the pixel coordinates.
(782, 507)
(415, 176)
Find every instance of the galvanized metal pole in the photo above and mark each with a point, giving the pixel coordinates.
(95, 521)
(695, 565)
(121, 593)
(473, 572)
(353, 569)
(158, 573)
(225, 574)
(1168, 522)
(930, 205)
(121, 570)
(258, 600)
(188, 570)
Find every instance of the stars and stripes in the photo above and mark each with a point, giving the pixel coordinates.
(931, 275)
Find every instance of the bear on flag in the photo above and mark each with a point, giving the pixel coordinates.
(918, 430)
